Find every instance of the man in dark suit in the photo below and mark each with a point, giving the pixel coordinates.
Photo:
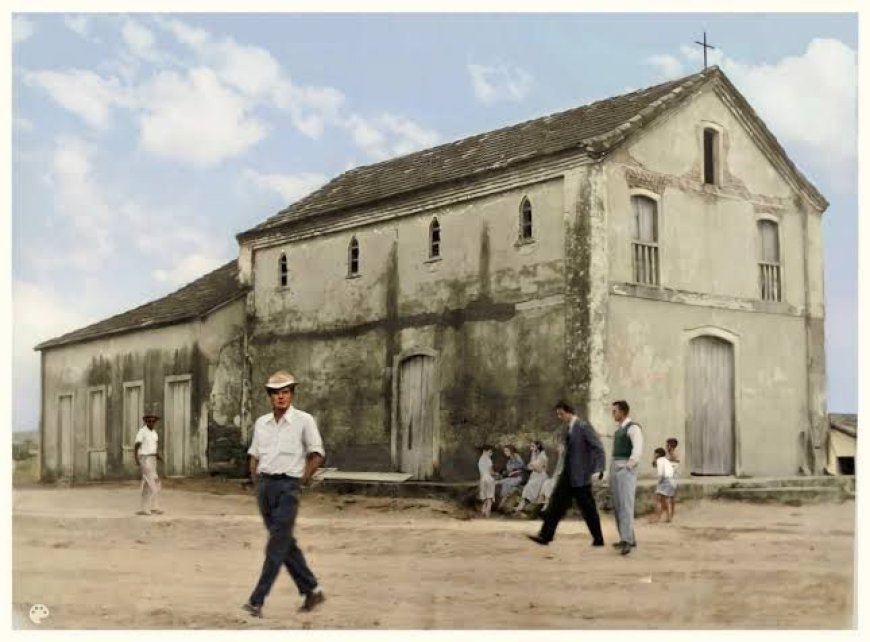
(583, 456)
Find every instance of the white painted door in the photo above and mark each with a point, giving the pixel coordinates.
(65, 436)
(177, 426)
(710, 432)
(133, 410)
(96, 434)
(416, 416)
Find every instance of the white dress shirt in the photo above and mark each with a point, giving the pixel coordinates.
(636, 437)
(282, 447)
(148, 439)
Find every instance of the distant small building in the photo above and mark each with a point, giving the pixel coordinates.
(182, 352)
(842, 444)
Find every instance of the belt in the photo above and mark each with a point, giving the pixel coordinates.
(278, 476)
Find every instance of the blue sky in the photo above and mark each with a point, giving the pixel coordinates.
(143, 143)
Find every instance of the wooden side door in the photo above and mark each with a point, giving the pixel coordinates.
(710, 430)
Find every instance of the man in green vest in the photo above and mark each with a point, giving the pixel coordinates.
(627, 448)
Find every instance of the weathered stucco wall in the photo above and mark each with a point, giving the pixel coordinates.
(490, 306)
(207, 351)
(709, 277)
(648, 360)
(707, 233)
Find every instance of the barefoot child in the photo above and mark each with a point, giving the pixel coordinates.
(487, 481)
(666, 487)
(671, 446)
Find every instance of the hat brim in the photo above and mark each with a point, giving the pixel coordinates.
(273, 386)
(150, 416)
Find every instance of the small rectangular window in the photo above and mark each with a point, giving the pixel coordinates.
(711, 137)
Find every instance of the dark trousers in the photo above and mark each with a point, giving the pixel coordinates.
(279, 502)
(559, 504)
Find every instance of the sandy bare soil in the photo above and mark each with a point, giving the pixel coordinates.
(423, 564)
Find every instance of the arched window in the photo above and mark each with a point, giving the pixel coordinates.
(645, 240)
(353, 257)
(526, 220)
(434, 239)
(769, 268)
(282, 269)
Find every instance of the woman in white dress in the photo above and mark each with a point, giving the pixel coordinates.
(538, 465)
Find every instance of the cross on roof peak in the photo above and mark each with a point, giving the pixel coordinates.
(705, 47)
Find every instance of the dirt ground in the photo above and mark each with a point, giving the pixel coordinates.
(422, 564)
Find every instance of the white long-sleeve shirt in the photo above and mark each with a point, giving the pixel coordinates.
(636, 437)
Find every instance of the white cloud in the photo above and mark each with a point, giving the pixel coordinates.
(81, 25)
(80, 201)
(310, 108)
(140, 41)
(668, 67)
(195, 119)
(499, 83)
(38, 313)
(291, 187)
(22, 29)
(388, 135)
(82, 92)
(209, 109)
(41, 313)
(188, 269)
(809, 101)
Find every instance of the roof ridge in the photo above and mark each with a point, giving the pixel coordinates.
(517, 125)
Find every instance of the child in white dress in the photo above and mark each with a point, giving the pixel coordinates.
(666, 486)
(487, 481)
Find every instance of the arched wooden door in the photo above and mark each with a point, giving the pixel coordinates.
(710, 397)
(417, 389)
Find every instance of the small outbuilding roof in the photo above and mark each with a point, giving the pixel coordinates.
(192, 301)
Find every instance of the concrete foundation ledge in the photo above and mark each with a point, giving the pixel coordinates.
(787, 490)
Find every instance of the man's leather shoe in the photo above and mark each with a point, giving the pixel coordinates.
(537, 539)
(626, 549)
(598, 542)
(255, 611)
(312, 600)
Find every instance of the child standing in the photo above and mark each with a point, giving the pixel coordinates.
(671, 447)
(666, 486)
(487, 481)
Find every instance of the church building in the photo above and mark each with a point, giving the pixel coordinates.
(658, 247)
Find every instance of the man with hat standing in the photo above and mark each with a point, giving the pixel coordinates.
(146, 455)
(286, 450)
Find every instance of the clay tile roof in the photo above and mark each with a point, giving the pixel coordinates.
(192, 301)
(497, 149)
(595, 128)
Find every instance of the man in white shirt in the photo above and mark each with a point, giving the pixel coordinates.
(286, 450)
(146, 455)
(627, 448)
